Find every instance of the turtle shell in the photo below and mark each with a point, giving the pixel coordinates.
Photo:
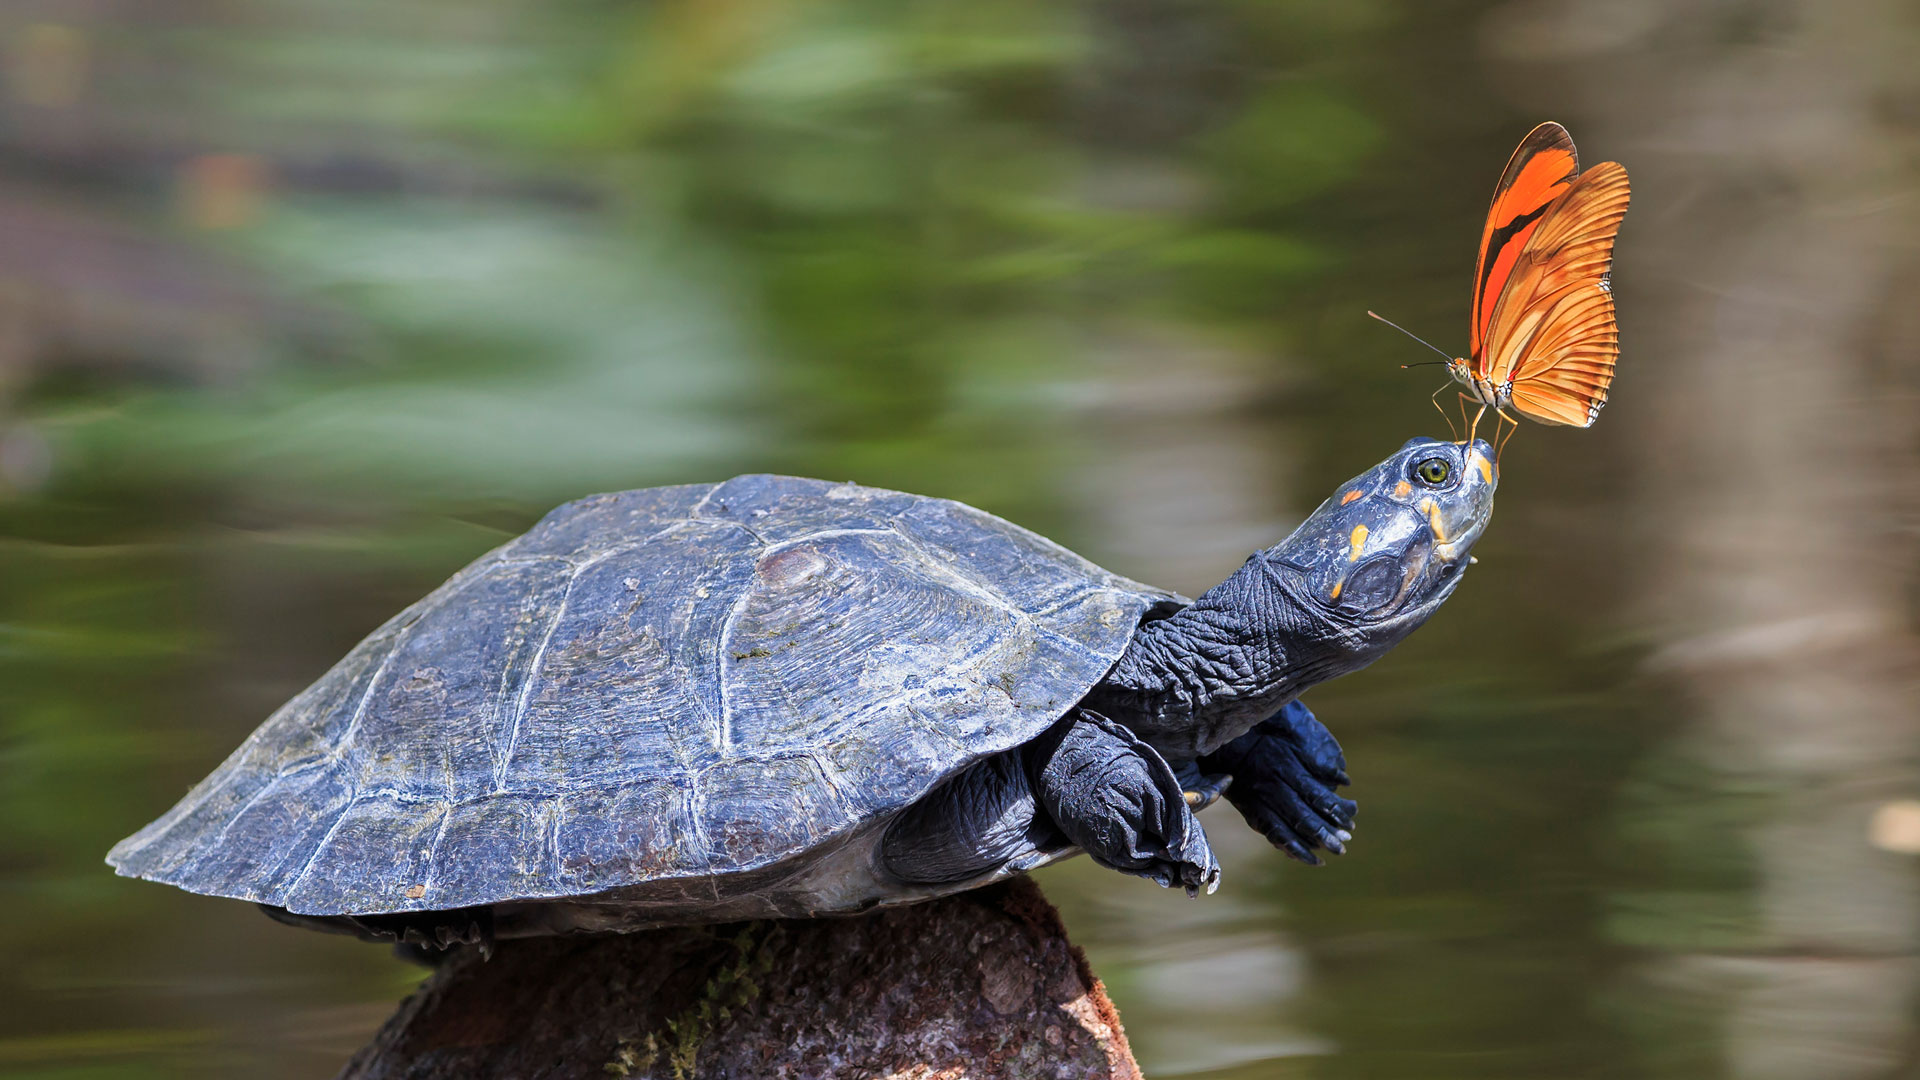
(673, 683)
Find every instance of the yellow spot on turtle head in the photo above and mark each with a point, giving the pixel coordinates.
(1335, 594)
(1356, 542)
(1350, 496)
(1433, 518)
(1403, 489)
(1486, 467)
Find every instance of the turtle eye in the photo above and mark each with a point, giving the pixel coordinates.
(1433, 471)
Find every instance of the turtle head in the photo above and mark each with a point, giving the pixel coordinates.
(1361, 573)
(1390, 545)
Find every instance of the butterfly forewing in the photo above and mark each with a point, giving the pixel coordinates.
(1551, 330)
(1540, 171)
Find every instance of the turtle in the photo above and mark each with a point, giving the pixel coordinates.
(782, 697)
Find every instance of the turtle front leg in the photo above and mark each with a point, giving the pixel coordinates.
(1116, 798)
(1284, 774)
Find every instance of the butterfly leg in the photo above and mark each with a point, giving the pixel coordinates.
(1451, 429)
(1500, 441)
(1474, 428)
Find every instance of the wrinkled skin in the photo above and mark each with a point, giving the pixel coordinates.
(1204, 700)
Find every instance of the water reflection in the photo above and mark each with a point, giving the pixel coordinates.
(299, 315)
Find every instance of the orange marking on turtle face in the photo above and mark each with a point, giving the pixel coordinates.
(1335, 594)
(1357, 542)
(1403, 489)
(1350, 496)
(1433, 518)
(1486, 467)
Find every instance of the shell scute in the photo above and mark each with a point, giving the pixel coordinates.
(439, 722)
(811, 656)
(381, 848)
(1021, 569)
(267, 847)
(625, 689)
(875, 761)
(734, 798)
(636, 832)
(508, 837)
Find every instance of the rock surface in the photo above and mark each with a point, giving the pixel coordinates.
(982, 986)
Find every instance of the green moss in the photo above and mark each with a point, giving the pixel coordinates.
(733, 986)
(631, 1058)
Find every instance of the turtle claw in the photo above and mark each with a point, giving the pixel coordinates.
(1192, 857)
(1188, 863)
(1208, 881)
(1200, 789)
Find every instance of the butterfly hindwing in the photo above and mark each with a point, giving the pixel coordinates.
(1568, 365)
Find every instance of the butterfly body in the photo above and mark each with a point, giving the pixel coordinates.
(1479, 389)
(1543, 334)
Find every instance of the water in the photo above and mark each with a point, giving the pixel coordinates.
(305, 310)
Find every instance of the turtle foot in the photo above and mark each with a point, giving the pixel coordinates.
(1116, 798)
(1285, 772)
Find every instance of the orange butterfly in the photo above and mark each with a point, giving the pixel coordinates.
(1543, 333)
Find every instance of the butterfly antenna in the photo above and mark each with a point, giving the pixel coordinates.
(1444, 358)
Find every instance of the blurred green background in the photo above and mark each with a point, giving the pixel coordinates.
(304, 305)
